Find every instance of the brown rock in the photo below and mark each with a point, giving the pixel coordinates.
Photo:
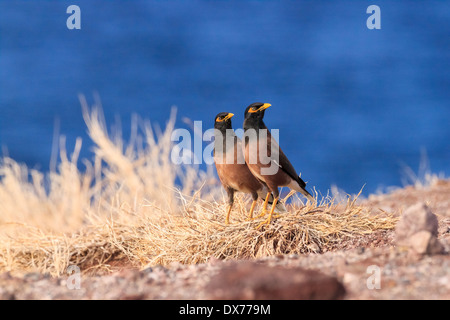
(418, 230)
(416, 218)
(253, 281)
(423, 242)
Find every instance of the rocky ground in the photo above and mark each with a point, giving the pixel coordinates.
(411, 262)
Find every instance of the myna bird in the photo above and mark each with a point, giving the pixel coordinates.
(265, 159)
(231, 167)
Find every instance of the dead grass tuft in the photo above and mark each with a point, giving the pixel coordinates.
(197, 235)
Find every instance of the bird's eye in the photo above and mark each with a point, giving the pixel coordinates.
(221, 118)
(254, 109)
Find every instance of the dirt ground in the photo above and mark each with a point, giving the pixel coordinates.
(368, 267)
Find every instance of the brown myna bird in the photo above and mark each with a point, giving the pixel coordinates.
(265, 159)
(231, 167)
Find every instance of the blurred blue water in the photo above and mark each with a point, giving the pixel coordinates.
(351, 103)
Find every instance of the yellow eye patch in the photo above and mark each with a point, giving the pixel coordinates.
(228, 116)
(263, 107)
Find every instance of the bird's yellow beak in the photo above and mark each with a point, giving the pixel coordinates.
(228, 116)
(263, 107)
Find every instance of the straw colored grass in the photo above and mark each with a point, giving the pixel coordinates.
(200, 234)
(130, 204)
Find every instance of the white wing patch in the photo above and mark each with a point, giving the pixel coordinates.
(277, 163)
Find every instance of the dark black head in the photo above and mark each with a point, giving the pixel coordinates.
(254, 114)
(223, 121)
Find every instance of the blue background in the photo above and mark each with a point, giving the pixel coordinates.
(352, 104)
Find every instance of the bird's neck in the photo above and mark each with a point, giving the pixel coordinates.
(253, 129)
(254, 124)
(223, 140)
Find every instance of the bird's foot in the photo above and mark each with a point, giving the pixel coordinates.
(250, 217)
(262, 214)
(268, 220)
(265, 222)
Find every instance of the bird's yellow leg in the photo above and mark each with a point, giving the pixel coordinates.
(269, 219)
(250, 214)
(264, 208)
(227, 219)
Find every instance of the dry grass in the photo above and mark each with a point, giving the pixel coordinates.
(133, 205)
(200, 234)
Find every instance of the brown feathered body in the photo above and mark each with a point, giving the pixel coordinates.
(264, 157)
(236, 174)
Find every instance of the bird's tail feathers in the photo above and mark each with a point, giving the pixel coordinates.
(307, 195)
(295, 186)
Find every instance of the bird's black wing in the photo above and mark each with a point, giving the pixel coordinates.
(283, 162)
(287, 167)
